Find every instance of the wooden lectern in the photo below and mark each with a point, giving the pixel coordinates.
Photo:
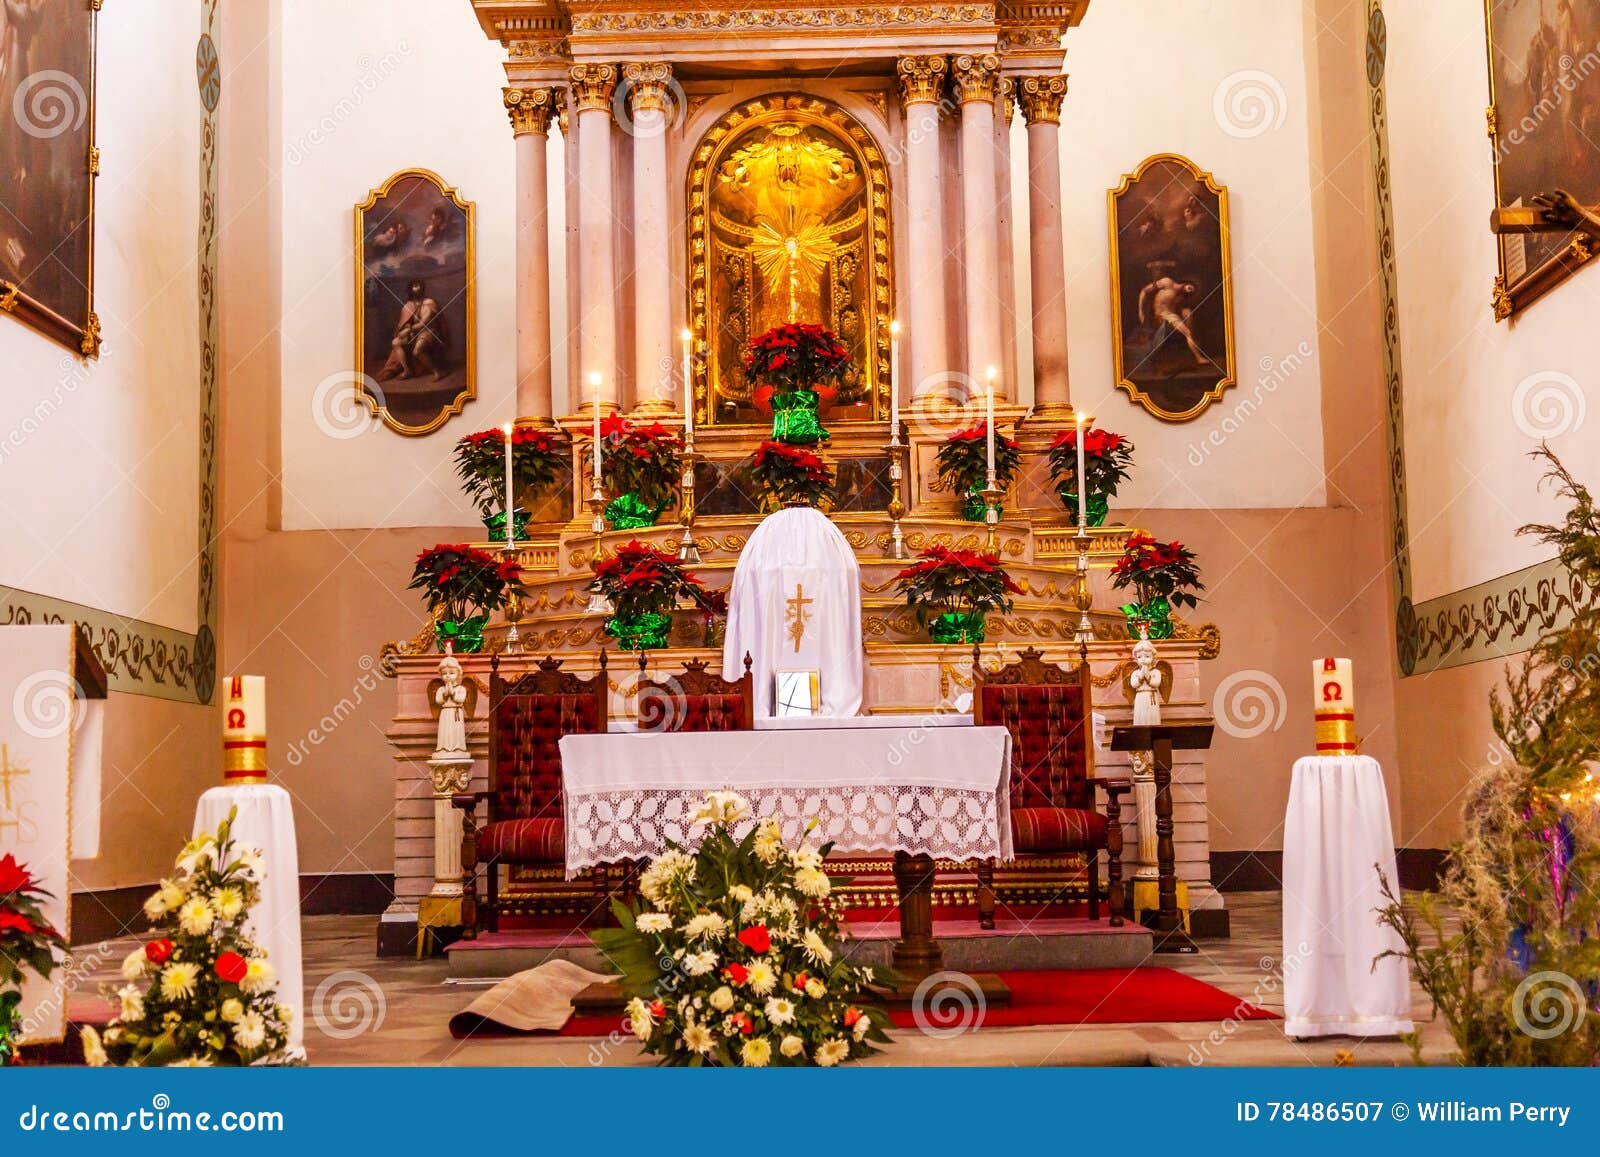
(1161, 741)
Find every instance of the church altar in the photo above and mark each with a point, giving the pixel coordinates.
(707, 201)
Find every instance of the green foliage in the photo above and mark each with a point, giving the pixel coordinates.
(1506, 950)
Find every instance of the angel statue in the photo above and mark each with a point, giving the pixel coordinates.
(452, 701)
(1146, 682)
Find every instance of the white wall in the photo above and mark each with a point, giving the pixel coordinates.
(99, 461)
(1143, 74)
(374, 86)
(1478, 394)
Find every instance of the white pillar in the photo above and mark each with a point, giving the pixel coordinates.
(1041, 98)
(449, 776)
(976, 78)
(648, 103)
(921, 90)
(1004, 105)
(530, 111)
(592, 88)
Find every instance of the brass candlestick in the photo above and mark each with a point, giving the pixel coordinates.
(688, 549)
(991, 495)
(513, 608)
(897, 449)
(598, 603)
(1084, 635)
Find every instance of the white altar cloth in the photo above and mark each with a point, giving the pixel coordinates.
(871, 789)
(795, 605)
(266, 821)
(1336, 838)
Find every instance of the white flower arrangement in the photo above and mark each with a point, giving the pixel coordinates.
(733, 958)
(199, 993)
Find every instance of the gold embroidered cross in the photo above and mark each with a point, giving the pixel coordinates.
(795, 615)
(9, 774)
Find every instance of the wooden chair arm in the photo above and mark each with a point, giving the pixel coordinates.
(1112, 787)
(467, 801)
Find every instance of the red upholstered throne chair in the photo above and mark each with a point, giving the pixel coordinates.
(524, 826)
(694, 700)
(1049, 712)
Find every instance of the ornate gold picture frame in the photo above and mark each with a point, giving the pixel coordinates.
(1171, 287)
(416, 302)
(1544, 103)
(49, 160)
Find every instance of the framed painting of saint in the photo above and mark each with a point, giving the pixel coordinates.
(48, 163)
(1544, 119)
(415, 302)
(1171, 287)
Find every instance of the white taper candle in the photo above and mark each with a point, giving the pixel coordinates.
(1083, 478)
(511, 528)
(894, 380)
(988, 419)
(594, 386)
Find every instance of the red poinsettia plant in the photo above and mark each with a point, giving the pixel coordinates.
(797, 357)
(963, 460)
(641, 579)
(461, 578)
(28, 944)
(1155, 570)
(642, 460)
(1106, 460)
(537, 459)
(966, 581)
(783, 474)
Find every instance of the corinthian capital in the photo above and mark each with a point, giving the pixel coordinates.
(530, 110)
(646, 86)
(1041, 97)
(976, 77)
(921, 78)
(592, 85)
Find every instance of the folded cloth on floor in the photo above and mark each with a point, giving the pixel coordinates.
(538, 1000)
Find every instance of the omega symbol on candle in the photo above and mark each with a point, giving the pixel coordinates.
(1332, 693)
(236, 717)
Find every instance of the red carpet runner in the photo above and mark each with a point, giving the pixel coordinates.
(1078, 996)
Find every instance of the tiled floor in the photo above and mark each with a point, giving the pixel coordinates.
(365, 1010)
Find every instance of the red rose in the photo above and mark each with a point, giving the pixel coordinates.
(158, 951)
(744, 1023)
(737, 973)
(756, 938)
(13, 876)
(230, 966)
(15, 922)
(800, 981)
(657, 1008)
(851, 1015)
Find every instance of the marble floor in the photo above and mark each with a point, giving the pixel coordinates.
(363, 1010)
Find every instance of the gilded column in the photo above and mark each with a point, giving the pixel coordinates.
(1041, 98)
(648, 104)
(921, 87)
(976, 78)
(592, 89)
(531, 110)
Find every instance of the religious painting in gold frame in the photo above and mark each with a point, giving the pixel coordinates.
(49, 160)
(788, 220)
(1544, 120)
(1171, 287)
(416, 302)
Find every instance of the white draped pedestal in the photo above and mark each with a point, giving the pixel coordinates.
(265, 820)
(1336, 839)
(796, 606)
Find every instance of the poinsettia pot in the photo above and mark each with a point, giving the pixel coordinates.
(1155, 613)
(795, 420)
(1099, 507)
(465, 635)
(630, 512)
(957, 627)
(646, 631)
(975, 509)
(495, 525)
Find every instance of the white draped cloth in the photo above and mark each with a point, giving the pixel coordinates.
(265, 820)
(941, 791)
(796, 606)
(1336, 839)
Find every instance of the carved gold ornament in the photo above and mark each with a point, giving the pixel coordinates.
(646, 85)
(921, 78)
(976, 76)
(593, 86)
(530, 110)
(1041, 98)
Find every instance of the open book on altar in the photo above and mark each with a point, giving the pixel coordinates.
(795, 605)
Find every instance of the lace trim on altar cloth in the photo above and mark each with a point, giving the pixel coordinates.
(947, 822)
